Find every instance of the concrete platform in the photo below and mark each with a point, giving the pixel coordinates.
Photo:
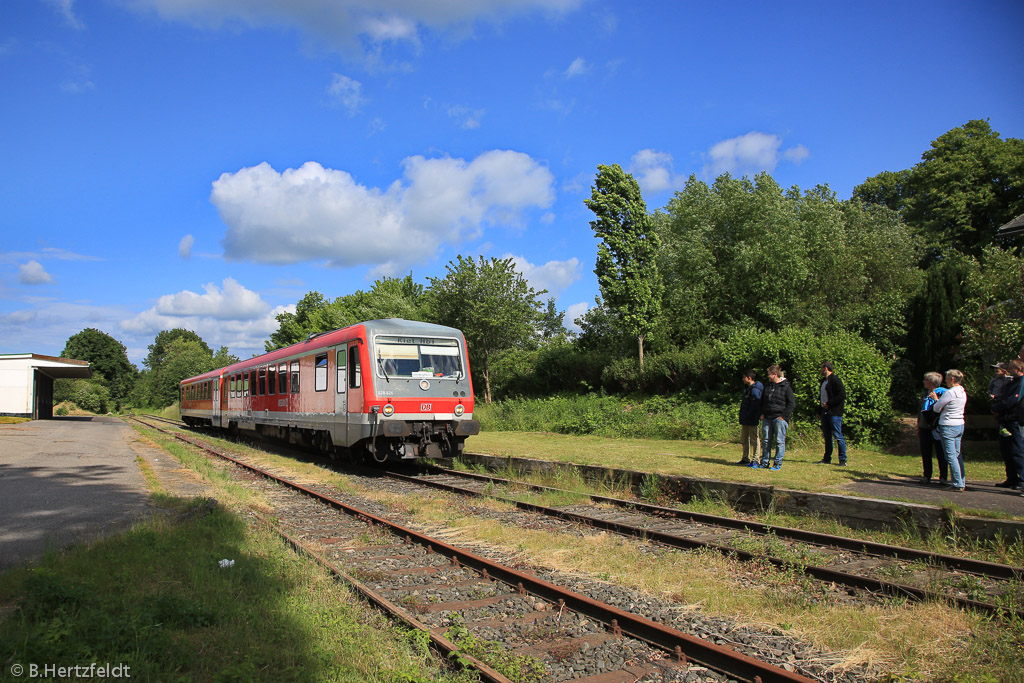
(66, 480)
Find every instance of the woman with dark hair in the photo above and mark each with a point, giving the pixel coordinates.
(927, 438)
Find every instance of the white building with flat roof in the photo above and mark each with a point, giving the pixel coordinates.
(26, 382)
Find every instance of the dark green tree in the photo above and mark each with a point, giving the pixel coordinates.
(934, 315)
(108, 359)
(313, 314)
(993, 310)
(183, 358)
(627, 268)
(158, 349)
(493, 305)
(966, 185)
(744, 253)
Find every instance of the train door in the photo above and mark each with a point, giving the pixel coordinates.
(340, 396)
(215, 407)
(356, 416)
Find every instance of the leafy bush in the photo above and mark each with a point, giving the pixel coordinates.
(89, 395)
(710, 371)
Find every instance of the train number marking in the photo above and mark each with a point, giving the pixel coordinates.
(426, 407)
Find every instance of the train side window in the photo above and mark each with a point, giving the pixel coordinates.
(231, 386)
(245, 384)
(353, 367)
(282, 378)
(320, 373)
(252, 383)
(295, 376)
(341, 371)
(263, 381)
(272, 380)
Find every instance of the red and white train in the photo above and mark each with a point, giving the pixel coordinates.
(389, 388)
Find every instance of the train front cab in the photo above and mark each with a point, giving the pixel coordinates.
(421, 392)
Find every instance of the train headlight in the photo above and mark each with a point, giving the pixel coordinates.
(389, 410)
(459, 410)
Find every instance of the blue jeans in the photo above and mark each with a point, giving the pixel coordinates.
(950, 435)
(773, 429)
(832, 426)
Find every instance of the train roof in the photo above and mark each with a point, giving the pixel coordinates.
(318, 341)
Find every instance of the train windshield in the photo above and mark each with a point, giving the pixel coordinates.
(418, 357)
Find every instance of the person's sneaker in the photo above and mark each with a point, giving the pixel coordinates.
(775, 468)
(842, 464)
(823, 461)
(925, 481)
(753, 466)
(1006, 484)
(743, 462)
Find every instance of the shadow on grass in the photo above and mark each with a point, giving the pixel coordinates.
(155, 600)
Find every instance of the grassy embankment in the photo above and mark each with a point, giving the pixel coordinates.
(531, 430)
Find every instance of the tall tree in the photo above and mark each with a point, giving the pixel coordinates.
(993, 311)
(746, 253)
(158, 349)
(966, 185)
(108, 358)
(493, 305)
(627, 268)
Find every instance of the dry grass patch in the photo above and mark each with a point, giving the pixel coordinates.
(918, 642)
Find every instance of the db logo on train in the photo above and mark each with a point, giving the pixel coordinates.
(426, 407)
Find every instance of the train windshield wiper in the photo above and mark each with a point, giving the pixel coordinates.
(380, 364)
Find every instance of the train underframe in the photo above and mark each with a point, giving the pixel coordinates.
(388, 440)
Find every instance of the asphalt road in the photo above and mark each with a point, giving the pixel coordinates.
(63, 481)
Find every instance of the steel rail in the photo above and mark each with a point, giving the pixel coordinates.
(683, 646)
(447, 647)
(982, 568)
(820, 573)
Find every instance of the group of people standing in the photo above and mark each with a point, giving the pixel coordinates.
(771, 408)
(941, 423)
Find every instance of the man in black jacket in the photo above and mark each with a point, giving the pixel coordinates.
(833, 397)
(1011, 431)
(777, 404)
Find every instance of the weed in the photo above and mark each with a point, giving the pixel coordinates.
(518, 668)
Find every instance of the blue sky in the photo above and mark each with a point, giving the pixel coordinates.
(205, 163)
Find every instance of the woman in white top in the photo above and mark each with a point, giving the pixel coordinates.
(950, 407)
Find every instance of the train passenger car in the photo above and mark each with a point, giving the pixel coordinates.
(391, 389)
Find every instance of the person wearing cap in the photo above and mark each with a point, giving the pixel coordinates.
(996, 384)
(1011, 432)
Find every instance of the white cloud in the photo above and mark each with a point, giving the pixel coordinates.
(231, 316)
(578, 67)
(574, 313)
(67, 10)
(554, 276)
(749, 154)
(468, 118)
(233, 302)
(33, 273)
(796, 154)
(185, 247)
(345, 23)
(347, 92)
(323, 215)
(653, 171)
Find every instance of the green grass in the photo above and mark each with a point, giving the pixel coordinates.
(155, 600)
(717, 459)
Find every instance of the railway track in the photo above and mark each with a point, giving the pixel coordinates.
(861, 566)
(488, 611)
